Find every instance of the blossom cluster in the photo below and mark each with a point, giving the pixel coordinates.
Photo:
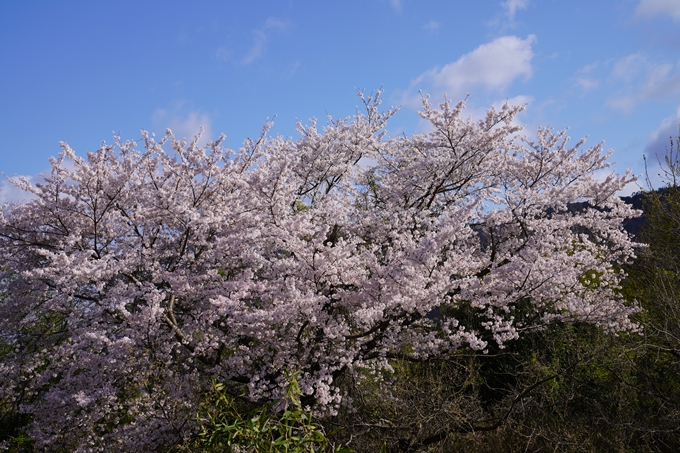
(139, 272)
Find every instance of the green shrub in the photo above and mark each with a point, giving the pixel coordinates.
(263, 430)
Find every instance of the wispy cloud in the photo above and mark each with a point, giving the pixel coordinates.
(255, 52)
(396, 5)
(631, 80)
(273, 23)
(586, 79)
(587, 84)
(512, 6)
(260, 39)
(658, 143)
(223, 53)
(629, 67)
(490, 67)
(666, 8)
(183, 123)
(292, 69)
(432, 26)
(661, 81)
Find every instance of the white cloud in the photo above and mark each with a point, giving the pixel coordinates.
(658, 140)
(184, 125)
(432, 26)
(223, 53)
(493, 66)
(661, 81)
(292, 69)
(260, 39)
(512, 6)
(255, 52)
(657, 145)
(587, 83)
(396, 5)
(585, 78)
(272, 23)
(490, 67)
(628, 67)
(623, 104)
(649, 8)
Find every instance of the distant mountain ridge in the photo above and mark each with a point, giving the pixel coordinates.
(634, 225)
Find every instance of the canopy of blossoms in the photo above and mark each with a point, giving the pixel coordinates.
(139, 272)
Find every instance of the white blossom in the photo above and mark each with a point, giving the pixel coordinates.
(151, 268)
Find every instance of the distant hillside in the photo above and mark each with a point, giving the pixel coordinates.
(633, 226)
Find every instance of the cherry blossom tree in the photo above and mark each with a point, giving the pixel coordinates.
(140, 272)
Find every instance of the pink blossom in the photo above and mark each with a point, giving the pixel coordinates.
(139, 272)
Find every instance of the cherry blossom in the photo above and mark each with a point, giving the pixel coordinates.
(139, 272)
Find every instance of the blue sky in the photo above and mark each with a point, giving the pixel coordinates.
(78, 71)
